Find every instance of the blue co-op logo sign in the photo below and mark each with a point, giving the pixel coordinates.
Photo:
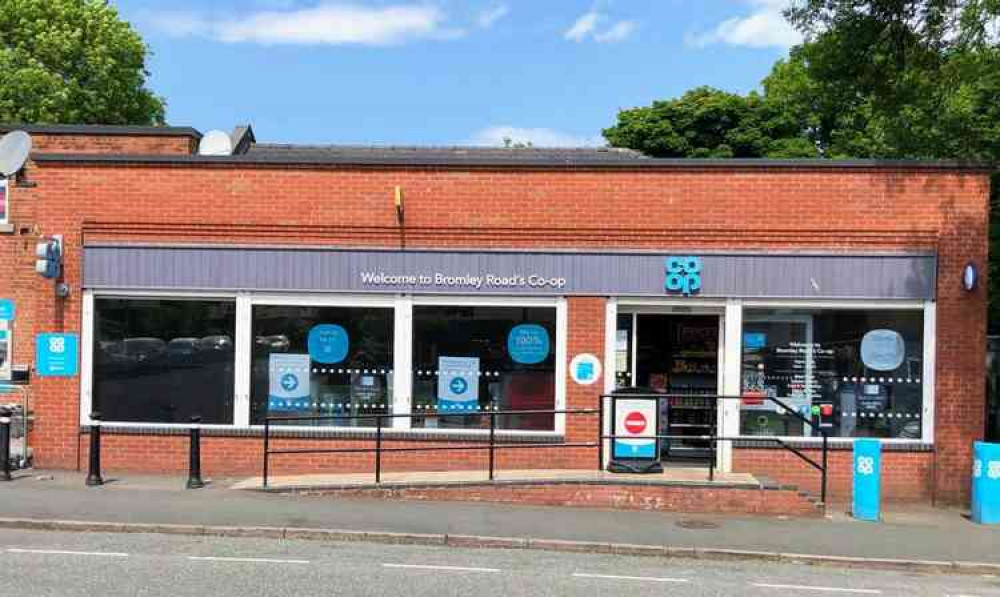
(683, 275)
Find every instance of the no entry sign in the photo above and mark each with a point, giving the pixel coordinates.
(635, 428)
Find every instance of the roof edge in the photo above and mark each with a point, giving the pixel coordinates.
(113, 130)
(512, 162)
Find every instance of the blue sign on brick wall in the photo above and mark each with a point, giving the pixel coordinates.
(7, 310)
(986, 483)
(56, 355)
(867, 479)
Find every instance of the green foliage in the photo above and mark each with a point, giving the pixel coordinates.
(72, 61)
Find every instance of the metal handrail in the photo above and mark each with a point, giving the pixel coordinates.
(491, 445)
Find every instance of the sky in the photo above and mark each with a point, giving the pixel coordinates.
(445, 72)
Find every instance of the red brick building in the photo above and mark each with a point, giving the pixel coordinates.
(352, 281)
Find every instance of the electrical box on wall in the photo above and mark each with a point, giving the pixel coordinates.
(49, 255)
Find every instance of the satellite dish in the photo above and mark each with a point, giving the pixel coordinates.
(14, 149)
(215, 143)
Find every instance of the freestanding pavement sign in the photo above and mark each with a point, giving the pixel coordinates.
(867, 479)
(635, 448)
(986, 483)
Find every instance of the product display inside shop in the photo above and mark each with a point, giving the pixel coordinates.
(854, 373)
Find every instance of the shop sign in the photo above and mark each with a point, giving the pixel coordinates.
(458, 383)
(328, 343)
(883, 350)
(585, 369)
(528, 344)
(7, 310)
(288, 382)
(56, 355)
(635, 421)
(683, 275)
(754, 340)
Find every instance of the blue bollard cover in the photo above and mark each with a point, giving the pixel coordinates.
(867, 479)
(986, 483)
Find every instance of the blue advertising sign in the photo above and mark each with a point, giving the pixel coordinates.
(636, 422)
(754, 340)
(56, 355)
(458, 383)
(986, 483)
(7, 310)
(528, 344)
(328, 343)
(289, 383)
(867, 479)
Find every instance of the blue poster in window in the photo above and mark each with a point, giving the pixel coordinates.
(289, 387)
(6, 310)
(458, 383)
(328, 343)
(56, 355)
(754, 340)
(528, 344)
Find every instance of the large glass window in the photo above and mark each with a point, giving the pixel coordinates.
(470, 358)
(855, 373)
(330, 361)
(163, 361)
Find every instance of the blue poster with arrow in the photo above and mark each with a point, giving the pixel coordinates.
(289, 385)
(458, 383)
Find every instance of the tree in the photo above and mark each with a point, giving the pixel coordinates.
(72, 61)
(709, 123)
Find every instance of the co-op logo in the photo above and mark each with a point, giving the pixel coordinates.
(683, 275)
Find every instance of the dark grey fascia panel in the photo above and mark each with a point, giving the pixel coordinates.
(766, 275)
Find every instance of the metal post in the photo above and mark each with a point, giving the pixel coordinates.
(378, 449)
(5, 444)
(94, 474)
(600, 433)
(194, 459)
(267, 450)
(823, 488)
(493, 428)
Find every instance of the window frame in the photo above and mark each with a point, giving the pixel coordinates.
(929, 310)
(402, 306)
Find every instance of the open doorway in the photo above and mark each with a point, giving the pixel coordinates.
(677, 355)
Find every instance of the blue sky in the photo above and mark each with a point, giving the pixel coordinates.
(442, 72)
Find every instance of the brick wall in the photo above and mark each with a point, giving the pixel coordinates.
(117, 144)
(690, 209)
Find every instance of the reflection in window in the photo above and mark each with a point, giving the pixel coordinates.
(163, 361)
(467, 359)
(855, 373)
(325, 361)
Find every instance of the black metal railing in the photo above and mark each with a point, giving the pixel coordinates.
(491, 446)
(713, 440)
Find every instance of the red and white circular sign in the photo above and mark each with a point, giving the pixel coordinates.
(635, 422)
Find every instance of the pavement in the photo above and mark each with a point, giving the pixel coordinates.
(917, 537)
(41, 564)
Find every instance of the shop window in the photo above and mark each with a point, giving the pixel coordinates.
(321, 361)
(467, 359)
(855, 373)
(163, 361)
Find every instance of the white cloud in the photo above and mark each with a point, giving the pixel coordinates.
(583, 26)
(328, 23)
(766, 27)
(539, 137)
(489, 17)
(620, 31)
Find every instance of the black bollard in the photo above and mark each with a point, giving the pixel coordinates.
(194, 459)
(5, 444)
(94, 475)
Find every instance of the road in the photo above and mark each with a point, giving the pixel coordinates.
(39, 563)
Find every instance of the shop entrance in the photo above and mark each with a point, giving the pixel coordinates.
(678, 355)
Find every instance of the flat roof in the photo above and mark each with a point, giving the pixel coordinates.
(111, 130)
(494, 158)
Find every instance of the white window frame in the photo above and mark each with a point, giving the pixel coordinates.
(929, 309)
(8, 188)
(278, 299)
(558, 303)
(402, 306)
(87, 351)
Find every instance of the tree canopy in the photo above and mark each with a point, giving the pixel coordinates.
(72, 61)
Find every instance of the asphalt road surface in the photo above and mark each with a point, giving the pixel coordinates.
(39, 563)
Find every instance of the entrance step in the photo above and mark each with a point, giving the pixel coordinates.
(674, 490)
